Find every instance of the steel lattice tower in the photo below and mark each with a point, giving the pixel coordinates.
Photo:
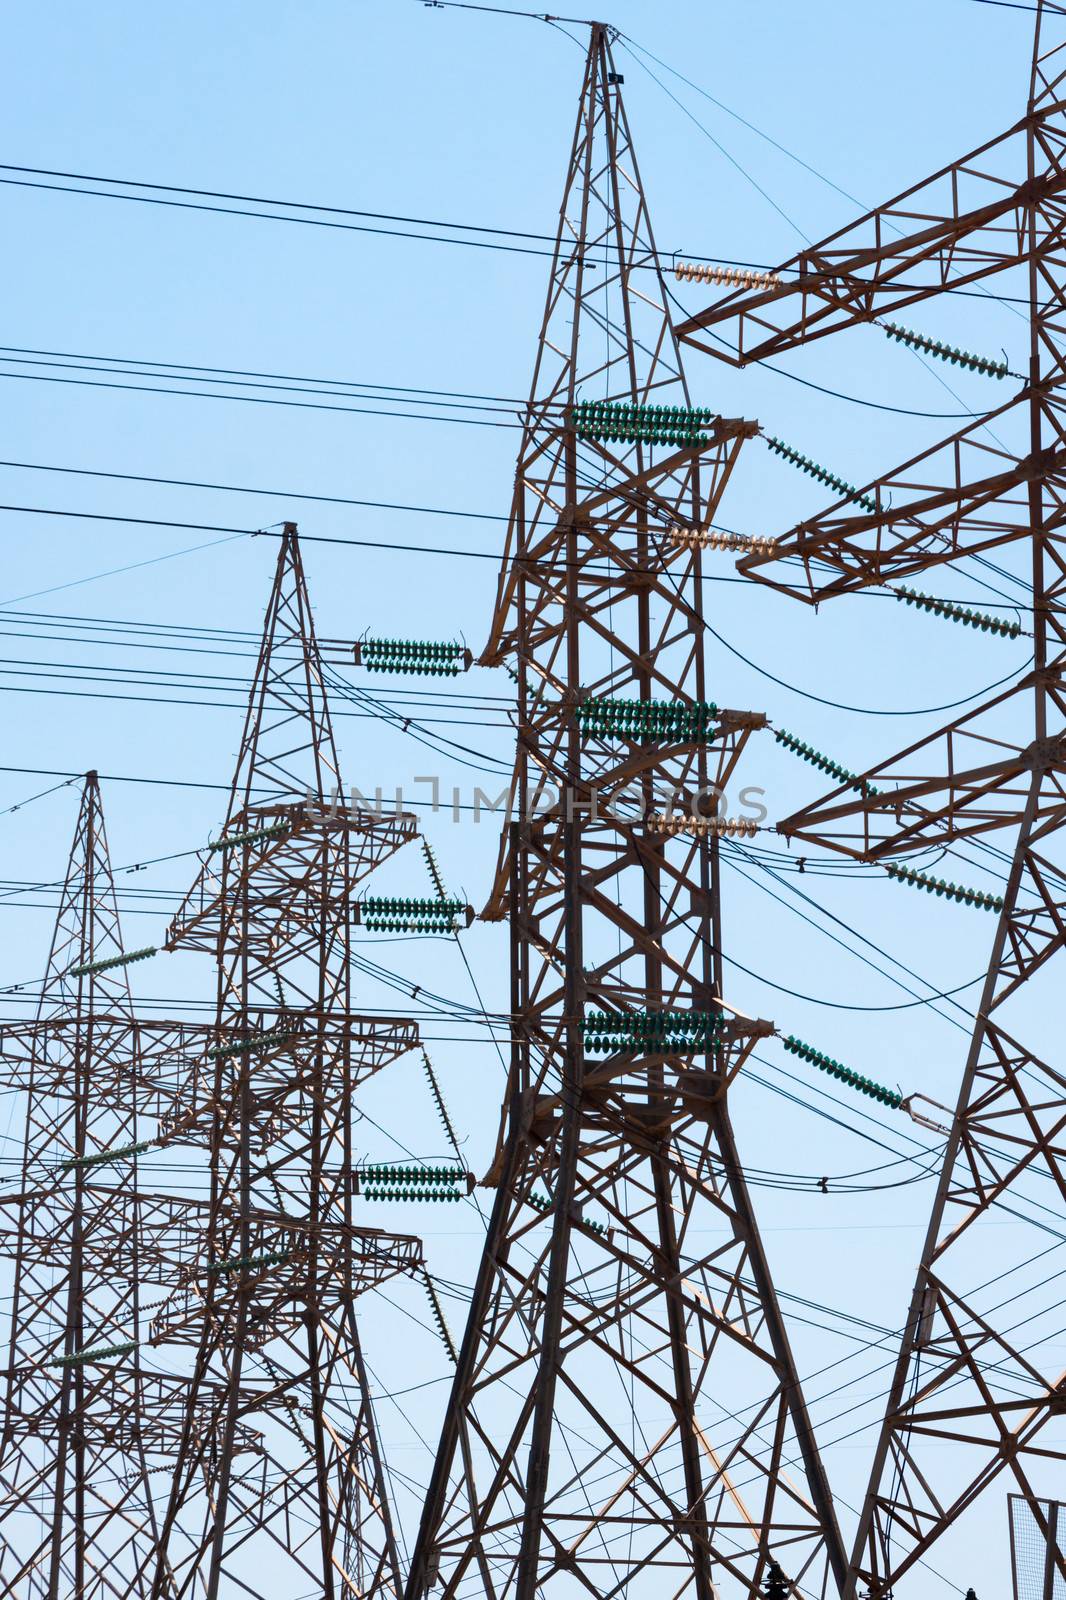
(968, 1376)
(75, 1496)
(269, 1312)
(626, 1416)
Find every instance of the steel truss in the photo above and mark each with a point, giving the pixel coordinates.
(185, 1400)
(269, 1315)
(81, 1436)
(626, 1416)
(977, 1370)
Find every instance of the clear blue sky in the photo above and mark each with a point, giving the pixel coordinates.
(389, 106)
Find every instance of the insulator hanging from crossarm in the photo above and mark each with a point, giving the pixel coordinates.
(241, 1047)
(234, 841)
(102, 1158)
(947, 352)
(542, 1203)
(438, 1101)
(273, 1258)
(836, 1069)
(650, 1032)
(104, 1352)
(824, 763)
(912, 1103)
(433, 868)
(822, 474)
(393, 1182)
(938, 886)
(105, 965)
(438, 1316)
(1004, 627)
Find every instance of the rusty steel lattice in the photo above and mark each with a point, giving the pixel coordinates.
(85, 1419)
(269, 1316)
(978, 1392)
(185, 1401)
(626, 1416)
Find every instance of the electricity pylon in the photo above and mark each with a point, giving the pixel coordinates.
(269, 1314)
(83, 1419)
(626, 1416)
(978, 1391)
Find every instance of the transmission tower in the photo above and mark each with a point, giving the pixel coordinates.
(268, 1314)
(978, 1391)
(626, 1416)
(85, 1419)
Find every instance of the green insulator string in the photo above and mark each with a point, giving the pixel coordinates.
(947, 352)
(435, 658)
(241, 1047)
(104, 1352)
(836, 1069)
(372, 1192)
(433, 868)
(680, 426)
(273, 1258)
(102, 1158)
(947, 608)
(823, 475)
(536, 695)
(108, 962)
(824, 763)
(647, 721)
(233, 841)
(389, 1182)
(650, 1032)
(543, 1204)
(438, 1317)
(392, 1173)
(942, 890)
(406, 914)
(438, 1101)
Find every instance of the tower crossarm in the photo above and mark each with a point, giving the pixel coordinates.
(963, 496)
(635, 502)
(962, 226)
(966, 780)
(283, 844)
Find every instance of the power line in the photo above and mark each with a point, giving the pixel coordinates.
(280, 494)
(287, 210)
(23, 355)
(194, 783)
(242, 372)
(251, 399)
(379, 505)
(305, 538)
